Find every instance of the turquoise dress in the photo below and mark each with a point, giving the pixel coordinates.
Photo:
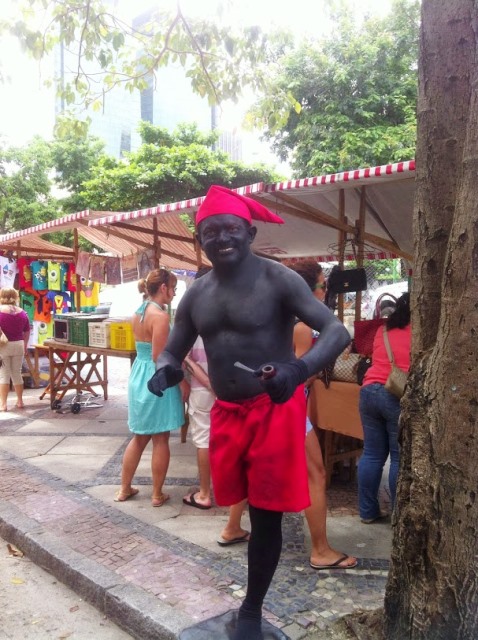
(147, 413)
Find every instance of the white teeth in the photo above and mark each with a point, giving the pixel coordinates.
(228, 250)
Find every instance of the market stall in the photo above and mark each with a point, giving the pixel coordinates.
(16, 259)
(125, 256)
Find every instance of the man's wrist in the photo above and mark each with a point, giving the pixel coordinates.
(303, 370)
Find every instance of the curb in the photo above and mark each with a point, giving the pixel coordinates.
(123, 603)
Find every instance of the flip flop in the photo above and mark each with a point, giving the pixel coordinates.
(190, 500)
(122, 497)
(334, 565)
(222, 542)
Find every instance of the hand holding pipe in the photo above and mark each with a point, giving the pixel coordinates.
(266, 372)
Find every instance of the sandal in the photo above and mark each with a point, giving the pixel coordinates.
(158, 502)
(122, 497)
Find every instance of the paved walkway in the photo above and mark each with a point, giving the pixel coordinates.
(157, 571)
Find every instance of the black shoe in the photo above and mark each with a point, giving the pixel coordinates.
(381, 516)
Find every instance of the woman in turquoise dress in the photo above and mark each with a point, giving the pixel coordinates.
(150, 417)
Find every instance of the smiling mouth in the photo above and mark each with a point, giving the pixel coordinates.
(226, 250)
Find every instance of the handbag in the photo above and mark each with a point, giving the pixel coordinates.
(364, 334)
(363, 366)
(347, 280)
(345, 367)
(397, 378)
(365, 330)
(3, 339)
(391, 302)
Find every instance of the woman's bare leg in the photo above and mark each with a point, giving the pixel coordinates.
(159, 467)
(316, 515)
(233, 527)
(4, 389)
(131, 458)
(19, 391)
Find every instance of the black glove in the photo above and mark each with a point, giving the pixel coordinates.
(288, 375)
(167, 376)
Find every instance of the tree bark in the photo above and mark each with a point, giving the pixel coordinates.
(432, 591)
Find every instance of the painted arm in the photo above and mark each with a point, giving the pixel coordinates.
(333, 338)
(169, 371)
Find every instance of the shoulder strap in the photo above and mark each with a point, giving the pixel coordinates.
(142, 310)
(387, 345)
(156, 305)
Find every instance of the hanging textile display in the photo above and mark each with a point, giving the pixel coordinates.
(83, 264)
(129, 267)
(113, 270)
(98, 268)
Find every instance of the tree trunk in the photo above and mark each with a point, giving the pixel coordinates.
(432, 591)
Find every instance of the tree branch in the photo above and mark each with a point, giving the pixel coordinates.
(199, 51)
(80, 46)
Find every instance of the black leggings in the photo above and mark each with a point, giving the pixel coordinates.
(264, 552)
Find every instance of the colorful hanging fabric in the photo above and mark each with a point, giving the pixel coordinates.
(43, 306)
(24, 273)
(56, 275)
(39, 274)
(45, 331)
(89, 296)
(61, 302)
(27, 303)
(8, 271)
(71, 278)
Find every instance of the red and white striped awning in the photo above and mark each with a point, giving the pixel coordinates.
(34, 247)
(176, 240)
(310, 208)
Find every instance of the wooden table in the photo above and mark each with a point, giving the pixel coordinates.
(33, 371)
(77, 368)
(335, 411)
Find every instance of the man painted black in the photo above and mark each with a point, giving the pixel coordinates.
(245, 309)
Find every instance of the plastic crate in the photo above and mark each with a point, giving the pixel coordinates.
(121, 335)
(99, 334)
(78, 329)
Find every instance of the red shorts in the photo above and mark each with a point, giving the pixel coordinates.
(257, 451)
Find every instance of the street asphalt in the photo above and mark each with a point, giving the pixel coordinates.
(158, 571)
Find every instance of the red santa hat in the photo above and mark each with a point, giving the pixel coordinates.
(220, 200)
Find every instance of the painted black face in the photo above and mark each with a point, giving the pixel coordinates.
(226, 238)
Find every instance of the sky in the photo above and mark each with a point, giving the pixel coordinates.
(28, 108)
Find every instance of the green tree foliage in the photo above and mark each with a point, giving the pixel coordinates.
(218, 58)
(74, 155)
(348, 100)
(166, 168)
(25, 186)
